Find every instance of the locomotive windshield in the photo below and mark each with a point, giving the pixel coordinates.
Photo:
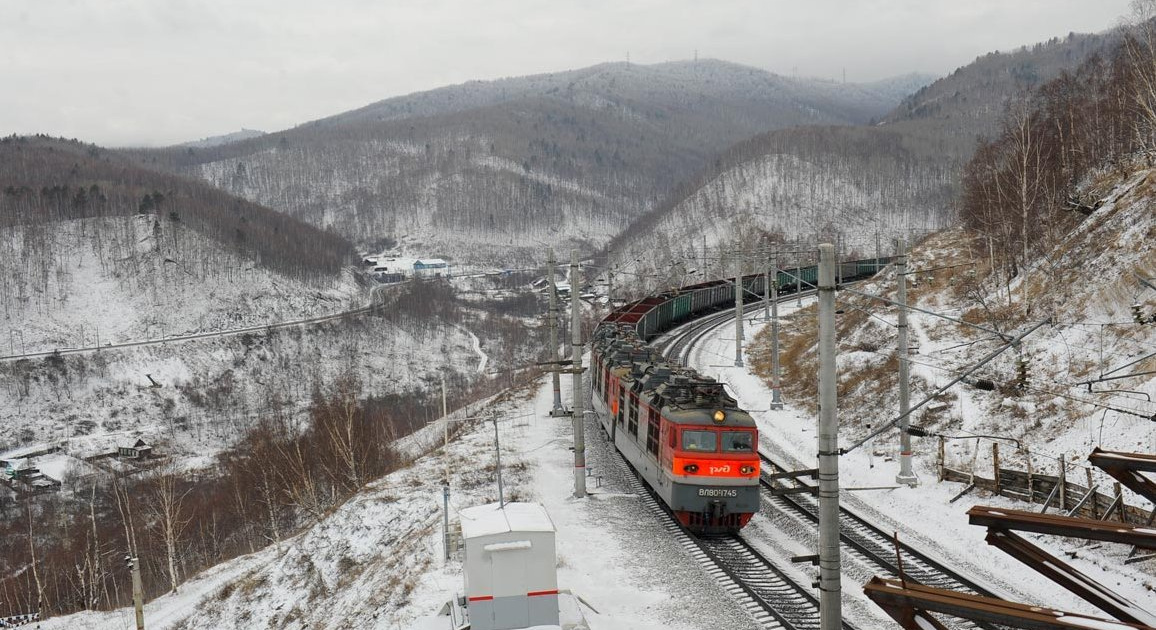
(703, 441)
(737, 442)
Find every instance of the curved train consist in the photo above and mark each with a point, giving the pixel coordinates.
(688, 439)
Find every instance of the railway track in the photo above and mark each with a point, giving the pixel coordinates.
(861, 538)
(871, 543)
(772, 598)
(678, 344)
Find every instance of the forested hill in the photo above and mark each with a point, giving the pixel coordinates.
(45, 180)
(493, 170)
(852, 184)
(680, 88)
(953, 111)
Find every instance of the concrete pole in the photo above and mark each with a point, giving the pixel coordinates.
(705, 273)
(767, 291)
(830, 589)
(446, 479)
(839, 260)
(609, 279)
(776, 394)
(576, 406)
(498, 450)
(552, 322)
(799, 276)
(877, 252)
(905, 476)
(738, 311)
(137, 592)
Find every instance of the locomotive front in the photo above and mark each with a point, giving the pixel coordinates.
(714, 463)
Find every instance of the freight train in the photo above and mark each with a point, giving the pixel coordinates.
(684, 435)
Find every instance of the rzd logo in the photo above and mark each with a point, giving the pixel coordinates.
(714, 470)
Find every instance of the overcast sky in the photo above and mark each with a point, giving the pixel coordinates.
(154, 72)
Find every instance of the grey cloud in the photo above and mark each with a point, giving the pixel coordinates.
(162, 71)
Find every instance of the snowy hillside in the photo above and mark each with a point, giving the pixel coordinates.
(89, 282)
(560, 159)
(429, 211)
(376, 561)
(118, 280)
(216, 141)
(211, 391)
(1084, 289)
(861, 187)
(966, 104)
(634, 87)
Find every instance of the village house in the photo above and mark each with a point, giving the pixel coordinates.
(137, 450)
(431, 268)
(17, 468)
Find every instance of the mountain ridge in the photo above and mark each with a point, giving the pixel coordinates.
(589, 150)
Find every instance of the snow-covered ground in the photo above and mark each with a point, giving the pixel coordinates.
(376, 561)
(924, 515)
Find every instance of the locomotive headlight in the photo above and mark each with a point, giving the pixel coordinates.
(747, 469)
(690, 468)
(720, 416)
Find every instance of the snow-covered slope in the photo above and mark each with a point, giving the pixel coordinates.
(376, 561)
(117, 280)
(1083, 289)
(384, 188)
(88, 282)
(788, 190)
(236, 136)
(210, 391)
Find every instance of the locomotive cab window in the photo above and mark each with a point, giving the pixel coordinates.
(700, 441)
(738, 441)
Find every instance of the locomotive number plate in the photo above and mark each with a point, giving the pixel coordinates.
(717, 492)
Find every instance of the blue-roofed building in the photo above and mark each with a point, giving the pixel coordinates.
(431, 267)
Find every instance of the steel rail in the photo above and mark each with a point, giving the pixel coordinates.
(859, 535)
(873, 543)
(762, 589)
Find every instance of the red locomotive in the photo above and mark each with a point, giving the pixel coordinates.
(684, 435)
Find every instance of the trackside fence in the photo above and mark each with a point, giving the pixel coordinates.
(1057, 485)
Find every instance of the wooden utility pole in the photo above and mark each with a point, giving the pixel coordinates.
(137, 591)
